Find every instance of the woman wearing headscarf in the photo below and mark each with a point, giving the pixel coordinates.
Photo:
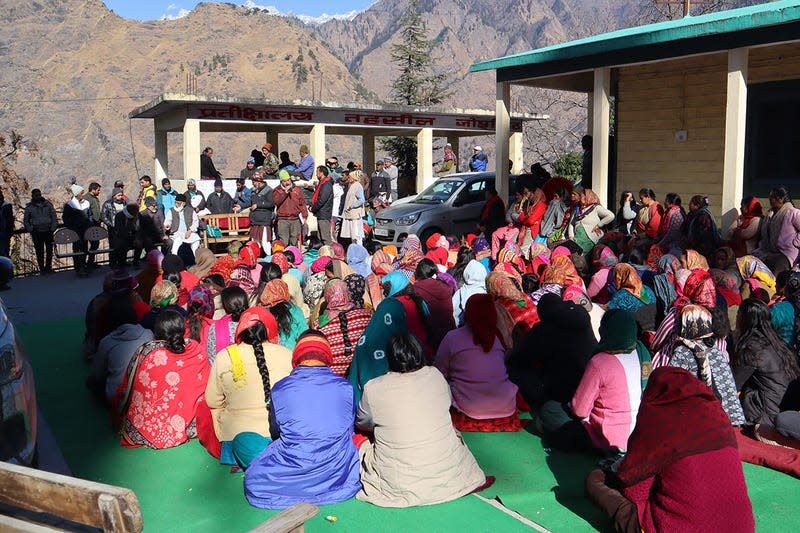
(482, 251)
(664, 285)
(401, 310)
(587, 220)
(438, 296)
(682, 471)
(204, 261)
(631, 295)
(381, 265)
(292, 283)
(516, 312)
(695, 351)
(553, 218)
(315, 285)
(408, 410)
(156, 402)
(530, 218)
(756, 275)
(547, 364)
(472, 360)
(358, 259)
(603, 262)
(438, 249)
(763, 365)
(745, 232)
(296, 258)
(222, 333)
(698, 289)
(782, 318)
(240, 386)
(357, 287)
(474, 282)
(342, 323)
(149, 274)
(561, 271)
(171, 265)
(291, 322)
(312, 457)
(607, 398)
(728, 285)
(163, 297)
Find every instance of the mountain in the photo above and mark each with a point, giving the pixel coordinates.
(73, 70)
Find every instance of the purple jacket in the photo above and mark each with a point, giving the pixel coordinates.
(788, 242)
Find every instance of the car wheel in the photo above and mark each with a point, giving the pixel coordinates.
(425, 235)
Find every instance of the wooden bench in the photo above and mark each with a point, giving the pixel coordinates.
(290, 520)
(234, 227)
(83, 502)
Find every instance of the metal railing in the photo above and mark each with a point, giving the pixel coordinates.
(23, 255)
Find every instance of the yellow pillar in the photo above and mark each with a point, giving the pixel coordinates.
(601, 125)
(735, 124)
(515, 152)
(161, 159)
(502, 134)
(424, 158)
(191, 149)
(316, 144)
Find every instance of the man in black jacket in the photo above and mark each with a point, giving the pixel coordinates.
(77, 217)
(262, 209)
(151, 225)
(322, 205)
(126, 236)
(40, 221)
(219, 202)
(207, 169)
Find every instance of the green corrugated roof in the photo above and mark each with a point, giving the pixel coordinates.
(733, 20)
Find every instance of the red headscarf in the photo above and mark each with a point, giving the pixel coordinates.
(699, 289)
(280, 260)
(481, 317)
(258, 314)
(312, 345)
(752, 210)
(679, 416)
(275, 292)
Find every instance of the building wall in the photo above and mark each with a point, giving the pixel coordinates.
(654, 102)
(774, 63)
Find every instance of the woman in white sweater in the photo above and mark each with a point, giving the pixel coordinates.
(587, 219)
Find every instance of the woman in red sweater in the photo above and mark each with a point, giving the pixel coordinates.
(682, 471)
(531, 218)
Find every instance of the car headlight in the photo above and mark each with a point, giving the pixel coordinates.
(10, 364)
(407, 220)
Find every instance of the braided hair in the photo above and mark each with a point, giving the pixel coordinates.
(169, 328)
(195, 320)
(256, 336)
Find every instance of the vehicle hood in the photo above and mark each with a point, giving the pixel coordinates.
(399, 211)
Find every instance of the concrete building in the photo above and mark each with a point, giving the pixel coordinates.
(701, 105)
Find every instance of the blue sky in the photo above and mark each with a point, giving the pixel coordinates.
(156, 9)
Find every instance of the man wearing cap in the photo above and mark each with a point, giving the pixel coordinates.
(391, 170)
(126, 236)
(380, 184)
(151, 225)
(250, 169)
(207, 169)
(449, 161)
(76, 216)
(262, 208)
(219, 202)
(196, 199)
(166, 196)
(478, 161)
(147, 190)
(181, 225)
(305, 168)
(241, 200)
(40, 221)
(290, 206)
(111, 207)
(322, 204)
(271, 164)
(119, 184)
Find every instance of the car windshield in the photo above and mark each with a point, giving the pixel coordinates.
(439, 192)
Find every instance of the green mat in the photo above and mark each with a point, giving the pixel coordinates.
(185, 489)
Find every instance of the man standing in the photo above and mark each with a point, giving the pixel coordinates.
(6, 226)
(111, 207)
(151, 225)
(391, 170)
(353, 211)
(166, 196)
(95, 218)
(322, 205)
(380, 184)
(478, 161)
(271, 163)
(40, 221)
(242, 199)
(305, 168)
(249, 169)
(148, 190)
(207, 169)
(119, 184)
(262, 208)
(290, 206)
(181, 225)
(76, 216)
(219, 202)
(127, 236)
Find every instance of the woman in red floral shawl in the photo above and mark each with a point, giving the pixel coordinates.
(156, 402)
